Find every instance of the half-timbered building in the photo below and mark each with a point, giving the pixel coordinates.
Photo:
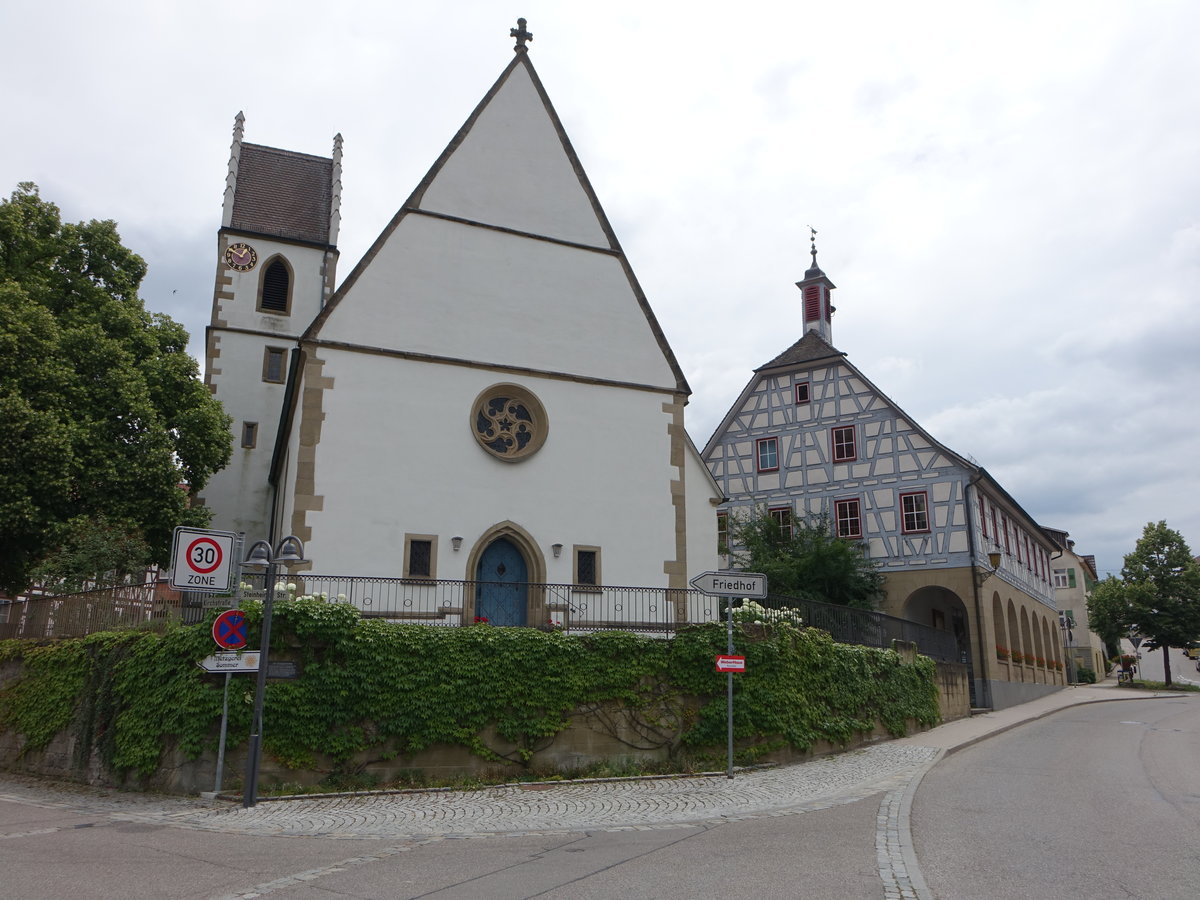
(811, 435)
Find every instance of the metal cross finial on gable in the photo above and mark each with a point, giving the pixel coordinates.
(521, 35)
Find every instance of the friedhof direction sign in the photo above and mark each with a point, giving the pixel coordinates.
(202, 560)
(751, 585)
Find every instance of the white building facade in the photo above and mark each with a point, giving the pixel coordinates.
(488, 396)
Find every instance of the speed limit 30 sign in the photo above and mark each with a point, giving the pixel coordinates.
(202, 560)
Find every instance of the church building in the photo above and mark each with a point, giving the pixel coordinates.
(810, 436)
(487, 396)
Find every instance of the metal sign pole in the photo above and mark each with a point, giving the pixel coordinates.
(254, 747)
(238, 548)
(224, 728)
(729, 686)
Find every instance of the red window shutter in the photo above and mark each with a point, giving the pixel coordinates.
(812, 303)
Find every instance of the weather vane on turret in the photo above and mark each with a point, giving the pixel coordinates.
(813, 240)
(521, 35)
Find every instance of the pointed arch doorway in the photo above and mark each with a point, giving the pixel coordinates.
(508, 572)
(502, 584)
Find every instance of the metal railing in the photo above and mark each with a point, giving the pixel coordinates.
(565, 607)
(862, 626)
(570, 608)
(575, 609)
(76, 615)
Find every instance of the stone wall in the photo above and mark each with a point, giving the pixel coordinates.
(603, 733)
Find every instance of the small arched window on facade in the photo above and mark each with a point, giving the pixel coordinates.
(276, 293)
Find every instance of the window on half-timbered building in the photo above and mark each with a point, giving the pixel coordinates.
(914, 510)
(767, 451)
(847, 515)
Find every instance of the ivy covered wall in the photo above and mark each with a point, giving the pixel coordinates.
(375, 697)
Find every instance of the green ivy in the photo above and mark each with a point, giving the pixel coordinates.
(371, 689)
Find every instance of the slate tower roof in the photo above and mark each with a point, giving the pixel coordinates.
(283, 194)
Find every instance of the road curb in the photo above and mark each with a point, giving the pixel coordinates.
(1001, 729)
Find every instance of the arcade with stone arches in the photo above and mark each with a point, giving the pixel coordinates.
(1018, 651)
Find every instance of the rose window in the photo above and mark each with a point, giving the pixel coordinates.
(509, 422)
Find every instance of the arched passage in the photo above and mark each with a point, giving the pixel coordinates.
(998, 621)
(1039, 650)
(1026, 637)
(943, 609)
(1053, 650)
(1014, 631)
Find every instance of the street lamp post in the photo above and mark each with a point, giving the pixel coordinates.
(1066, 623)
(290, 550)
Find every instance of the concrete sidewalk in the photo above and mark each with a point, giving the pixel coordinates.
(964, 732)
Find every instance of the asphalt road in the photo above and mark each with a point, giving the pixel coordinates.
(1094, 801)
(58, 853)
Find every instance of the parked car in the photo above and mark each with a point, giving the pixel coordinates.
(1192, 650)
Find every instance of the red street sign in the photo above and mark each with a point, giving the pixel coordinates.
(229, 630)
(731, 664)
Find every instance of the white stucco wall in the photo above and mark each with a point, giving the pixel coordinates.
(457, 291)
(701, 515)
(511, 170)
(602, 478)
(238, 494)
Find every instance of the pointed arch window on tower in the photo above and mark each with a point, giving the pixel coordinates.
(276, 292)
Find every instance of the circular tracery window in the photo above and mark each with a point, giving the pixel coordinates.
(509, 422)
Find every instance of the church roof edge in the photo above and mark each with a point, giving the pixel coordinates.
(414, 204)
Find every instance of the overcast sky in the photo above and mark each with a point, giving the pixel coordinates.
(1007, 194)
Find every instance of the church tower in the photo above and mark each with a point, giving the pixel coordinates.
(276, 260)
(816, 289)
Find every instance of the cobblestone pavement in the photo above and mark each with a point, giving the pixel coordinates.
(554, 806)
(891, 770)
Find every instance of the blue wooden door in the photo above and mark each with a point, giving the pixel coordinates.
(501, 596)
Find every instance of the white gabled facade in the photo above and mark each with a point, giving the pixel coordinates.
(491, 371)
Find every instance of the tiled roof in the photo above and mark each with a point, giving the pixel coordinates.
(283, 193)
(809, 348)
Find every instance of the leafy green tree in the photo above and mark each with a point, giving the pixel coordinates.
(93, 553)
(1158, 592)
(806, 560)
(102, 412)
(1109, 612)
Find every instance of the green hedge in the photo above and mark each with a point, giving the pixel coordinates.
(369, 687)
